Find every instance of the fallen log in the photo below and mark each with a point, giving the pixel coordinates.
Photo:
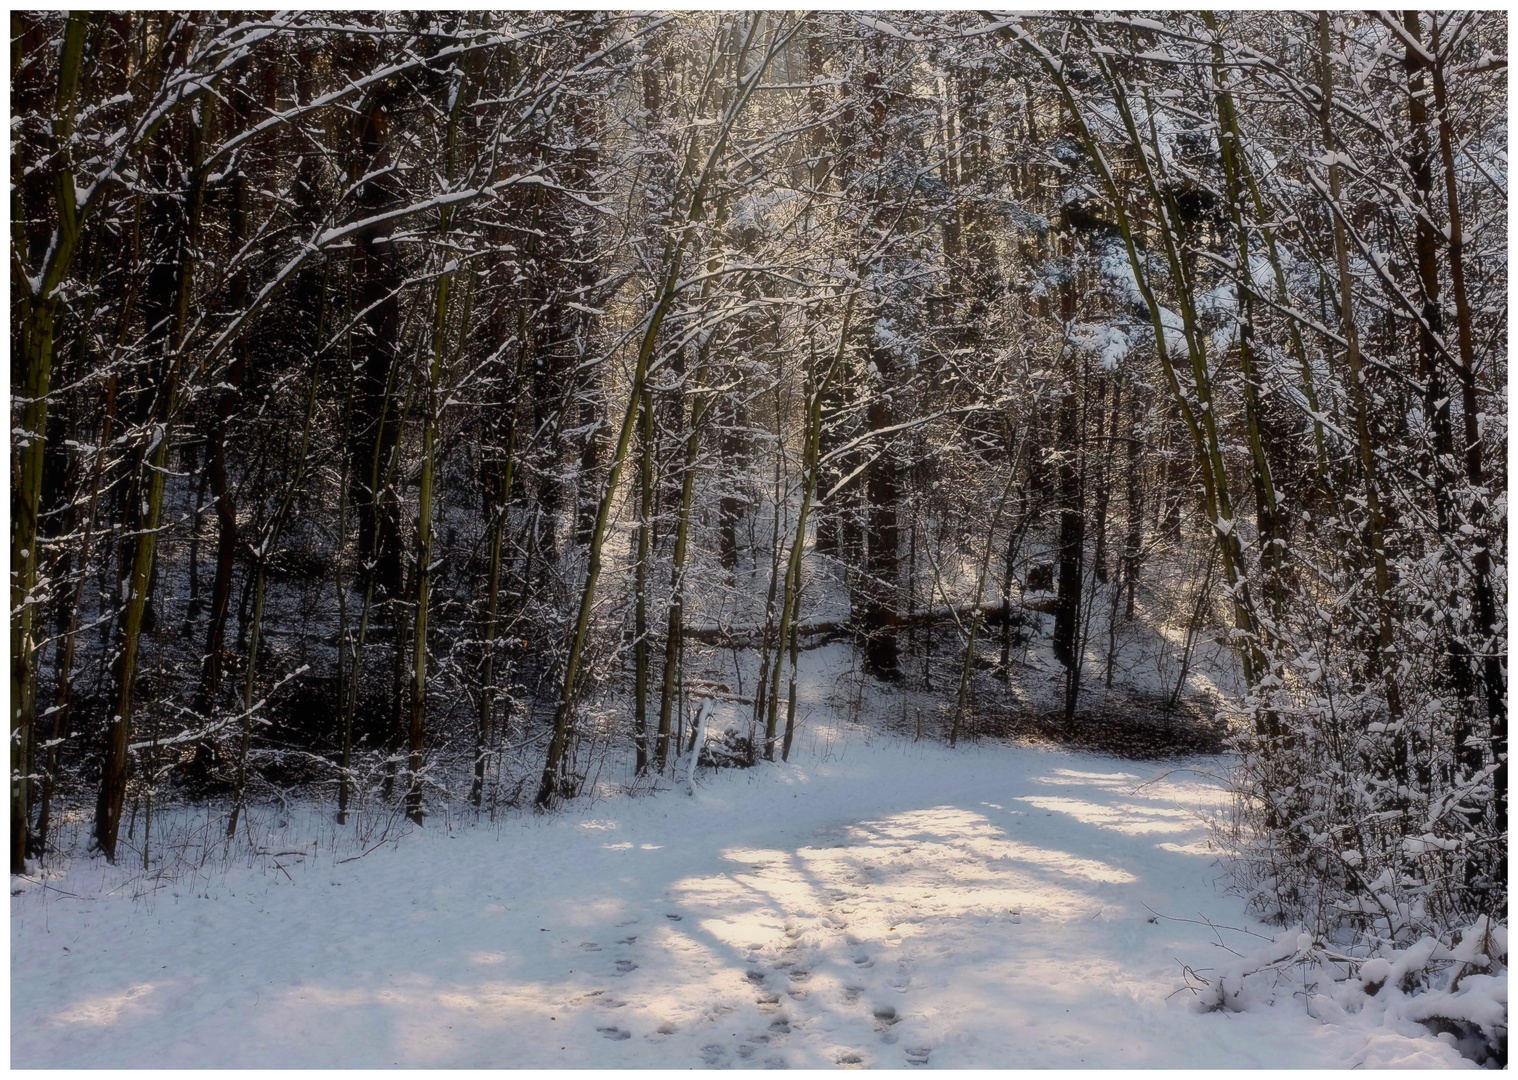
(745, 637)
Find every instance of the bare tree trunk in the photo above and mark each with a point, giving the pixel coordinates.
(222, 494)
(1072, 540)
(790, 700)
(978, 613)
(1103, 481)
(674, 637)
(500, 526)
(1494, 668)
(1375, 531)
(1133, 543)
(810, 454)
(435, 401)
(154, 464)
(381, 471)
(266, 546)
(1271, 539)
(35, 320)
(1440, 464)
(64, 700)
(640, 586)
(882, 562)
(732, 441)
(1197, 609)
(761, 686)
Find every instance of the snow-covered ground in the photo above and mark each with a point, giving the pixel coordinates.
(885, 904)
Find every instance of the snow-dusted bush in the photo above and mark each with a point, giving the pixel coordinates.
(1455, 987)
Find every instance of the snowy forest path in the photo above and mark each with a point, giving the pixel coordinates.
(900, 905)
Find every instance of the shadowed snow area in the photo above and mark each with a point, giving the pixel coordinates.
(899, 905)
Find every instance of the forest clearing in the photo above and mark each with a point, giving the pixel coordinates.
(886, 904)
(807, 539)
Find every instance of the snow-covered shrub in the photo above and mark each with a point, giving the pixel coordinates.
(1455, 987)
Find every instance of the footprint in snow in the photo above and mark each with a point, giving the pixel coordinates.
(794, 988)
(628, 940)
(624, 966)
(918, 1055)
(850, 1061)
(614, 1033)
(673, 918)
(590, 946)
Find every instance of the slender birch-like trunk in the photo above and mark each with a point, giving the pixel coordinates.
(37, 313)
(810, 453)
